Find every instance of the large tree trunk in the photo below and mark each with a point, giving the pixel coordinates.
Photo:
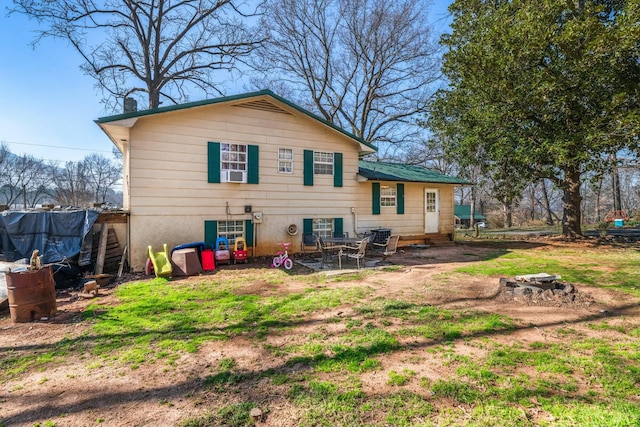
(154, 99)
(506, 211)
(571, 198)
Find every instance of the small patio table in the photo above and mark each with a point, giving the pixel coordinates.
(338, 241)
(335, 245)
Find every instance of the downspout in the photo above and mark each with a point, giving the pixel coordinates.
(255, 231)
(354, 216)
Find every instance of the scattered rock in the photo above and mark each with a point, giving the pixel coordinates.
(256, 414)
(91, 287)
(86, 295)
(549, 293)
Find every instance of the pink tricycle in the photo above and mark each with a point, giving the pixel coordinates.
(283, 257)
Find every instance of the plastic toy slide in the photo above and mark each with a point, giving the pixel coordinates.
(161, 262)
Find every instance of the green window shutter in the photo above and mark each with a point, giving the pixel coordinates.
(337, 227)
(248, 232)
(308, 167)
(210, 233)
(337, 169)
(307, 226)
(213, 162)
(253, 176)
(400, 199)
(375, 198)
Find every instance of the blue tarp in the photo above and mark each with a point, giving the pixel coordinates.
(58, 235)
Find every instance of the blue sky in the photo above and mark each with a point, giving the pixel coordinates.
(47, 106)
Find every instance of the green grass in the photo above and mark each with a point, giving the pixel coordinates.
(606, 267)
(328, 403)
(400, 378)
(539, 376)
(158, 318)
(327, 366)
(235, 415)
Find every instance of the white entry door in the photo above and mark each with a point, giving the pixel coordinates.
(431, 210)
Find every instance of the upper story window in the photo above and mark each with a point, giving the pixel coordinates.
(233, 157)
(285, 160)
(387, 196)
(322, 163)
(239, 163)
(233, 163)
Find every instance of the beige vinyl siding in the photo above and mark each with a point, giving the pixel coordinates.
(412, 221)
(170, 197)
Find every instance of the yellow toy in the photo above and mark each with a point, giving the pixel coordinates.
(161, 262)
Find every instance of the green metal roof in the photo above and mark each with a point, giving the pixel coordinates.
(464, 212)
(378, 171)
(239, 97)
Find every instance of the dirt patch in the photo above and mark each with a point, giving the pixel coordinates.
(87, 391)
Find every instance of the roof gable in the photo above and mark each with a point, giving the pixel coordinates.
(254, 100)
(380, 171)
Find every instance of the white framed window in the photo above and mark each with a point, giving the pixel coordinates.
(322, 163)
(285, 160)
(430, 202)
(233, 163)
(231, 230)
(233, 157)
(388, 196)
(323, 227)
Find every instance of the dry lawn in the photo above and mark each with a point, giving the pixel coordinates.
(84, 390)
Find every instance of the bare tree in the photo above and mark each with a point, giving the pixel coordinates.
(26, 181)
(70, 185)
(159, 50)
(546, 204)
(101, 175)
(5, 171)
(368, 66)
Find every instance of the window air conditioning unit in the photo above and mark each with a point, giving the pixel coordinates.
(233, 176)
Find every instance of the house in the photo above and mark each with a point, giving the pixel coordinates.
(257, 166)
(463, 216)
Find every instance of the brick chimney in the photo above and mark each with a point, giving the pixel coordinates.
(130, 105)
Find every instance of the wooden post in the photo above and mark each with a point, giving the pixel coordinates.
(102, 248)
(122, 260)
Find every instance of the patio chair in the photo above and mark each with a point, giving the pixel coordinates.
(309, 244)
(328, 251)
(390, 246)
(371, 237)
(357, 253)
